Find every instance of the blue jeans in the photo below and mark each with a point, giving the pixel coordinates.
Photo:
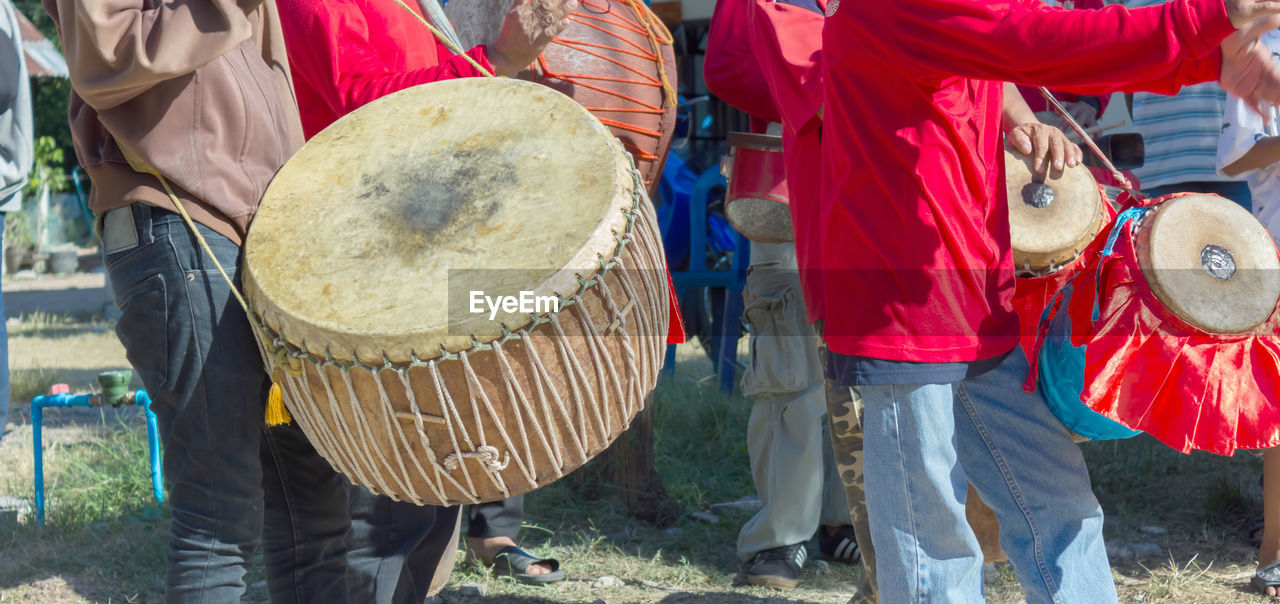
(1237, 191)
(192, 345)
(924, 440)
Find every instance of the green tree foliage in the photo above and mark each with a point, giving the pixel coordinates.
(50, 97)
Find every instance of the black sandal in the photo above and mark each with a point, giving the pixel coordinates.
(511, 561)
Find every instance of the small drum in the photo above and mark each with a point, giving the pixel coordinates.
(615, 58)
(379, 252)
(1053, 218)
(756, 203)
(1171, 330)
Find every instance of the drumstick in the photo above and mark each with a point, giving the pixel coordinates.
(435, 13)
(1071, 121)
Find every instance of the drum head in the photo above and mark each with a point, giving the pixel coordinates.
(762, 220)
(381, 225)
(1211, 262)
(1052, 216)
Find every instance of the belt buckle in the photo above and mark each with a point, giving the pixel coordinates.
(119, 231)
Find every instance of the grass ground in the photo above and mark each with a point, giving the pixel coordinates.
(105, 538)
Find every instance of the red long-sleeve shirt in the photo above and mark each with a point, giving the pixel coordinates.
(915, 233)
(345, 53)
(762, 57)
(729, 66)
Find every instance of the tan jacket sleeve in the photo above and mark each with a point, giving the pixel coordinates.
(116, 49)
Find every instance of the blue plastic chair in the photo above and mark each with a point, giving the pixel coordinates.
(726, 327)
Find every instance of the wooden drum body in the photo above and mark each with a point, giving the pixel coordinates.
(756, 202)
(615, 59)
(364, 260)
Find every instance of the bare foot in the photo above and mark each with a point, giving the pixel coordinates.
(486, 548)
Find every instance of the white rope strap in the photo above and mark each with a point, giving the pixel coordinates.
(451, 412)
(391, 426)
(434, 485)
(520, 403)
(594, 344)
(362, 470)
(542, 387)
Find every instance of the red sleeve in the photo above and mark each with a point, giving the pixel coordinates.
(330, 48)
(1158, 48)
(787, 40)
(730, 68)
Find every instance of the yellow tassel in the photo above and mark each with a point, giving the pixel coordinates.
(277, 414)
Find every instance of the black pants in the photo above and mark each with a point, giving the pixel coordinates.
(397, 548)
(496, 518)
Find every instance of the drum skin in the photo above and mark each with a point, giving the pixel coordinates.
(364, 251)
(756, 203)
(613, 59)
(1177, 245)
(1052, 216)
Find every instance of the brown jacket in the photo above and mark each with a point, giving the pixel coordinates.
(198, 89)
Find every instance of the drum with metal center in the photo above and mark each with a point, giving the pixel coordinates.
(463, 290)
(1171, 330)
(756, 202)
(1053, 216)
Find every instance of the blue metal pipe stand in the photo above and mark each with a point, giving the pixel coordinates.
(59, 397)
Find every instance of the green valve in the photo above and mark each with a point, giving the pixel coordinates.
(115, 384)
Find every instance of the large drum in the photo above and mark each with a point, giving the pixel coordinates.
(756, 202)
(463, 290)
(1171, 330)
(615, 58)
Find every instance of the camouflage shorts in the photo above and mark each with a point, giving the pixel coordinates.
(844, 414)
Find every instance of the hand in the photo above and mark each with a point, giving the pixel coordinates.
(1241, 12)
(1248, 70)
(1044, 141)
(527, 29)
(1085, 114)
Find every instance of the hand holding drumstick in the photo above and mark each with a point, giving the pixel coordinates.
(529, 26)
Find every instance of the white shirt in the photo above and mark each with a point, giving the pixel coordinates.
(1241, 128)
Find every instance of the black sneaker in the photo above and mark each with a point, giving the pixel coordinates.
(778, 567)
(840, 547)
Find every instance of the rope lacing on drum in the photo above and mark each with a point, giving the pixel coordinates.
(647, 23)
(344, 438)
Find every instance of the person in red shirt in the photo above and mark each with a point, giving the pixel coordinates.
(917, 271)
(344, 54)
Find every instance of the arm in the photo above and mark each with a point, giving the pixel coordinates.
(329, 47)
(1247, 142)
(731, 69)
(115, 49)
(1163, 47)
(786, 38)
(1264, 153)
